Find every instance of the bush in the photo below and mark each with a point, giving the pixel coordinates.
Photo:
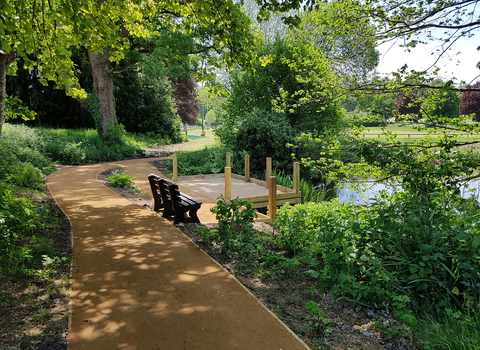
(16, 170)
(266, 135)
(398, 254)
(364, 119)
(235, 221)
(210, 160)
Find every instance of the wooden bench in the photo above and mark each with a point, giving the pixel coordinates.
(167, 196)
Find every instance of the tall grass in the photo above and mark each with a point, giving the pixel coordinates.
(452, 330)
(310, 192)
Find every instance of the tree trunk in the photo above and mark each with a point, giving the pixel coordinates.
(103, 85)
(6, 59)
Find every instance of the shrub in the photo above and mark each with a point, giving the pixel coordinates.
(397, 254)
(266, 135)
(210, 160)
(235, 220)
(366, 119)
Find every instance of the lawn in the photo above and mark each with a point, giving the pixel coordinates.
(196, 141)
(405, 132)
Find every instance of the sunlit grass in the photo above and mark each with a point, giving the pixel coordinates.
(408, 133)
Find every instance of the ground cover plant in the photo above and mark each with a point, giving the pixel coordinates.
(43, 145)
(34, 247)
(120, 179)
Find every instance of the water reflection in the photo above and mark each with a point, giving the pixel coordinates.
(366, 192)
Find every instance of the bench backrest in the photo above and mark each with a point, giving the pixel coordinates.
(155, 187)
(161, 192)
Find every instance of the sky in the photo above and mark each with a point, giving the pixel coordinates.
(460, 63)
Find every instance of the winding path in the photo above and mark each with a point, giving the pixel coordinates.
(140, 283)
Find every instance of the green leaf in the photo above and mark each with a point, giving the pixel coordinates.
(312, 273)
(476, 242)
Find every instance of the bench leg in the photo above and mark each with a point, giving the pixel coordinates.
(167, 212)
(193, 215)
(180, 217)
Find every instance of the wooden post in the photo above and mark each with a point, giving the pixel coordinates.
(269, 170)
(228, 159)
(228, 182)
(296, 176)
(174, 166)
(272, 197)
(247, 168)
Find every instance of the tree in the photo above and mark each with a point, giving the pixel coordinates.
(349, 46)
(471, 102)
(185, 97)
(280, 82)
(112, 31)
(409, 106)
(443, 104)
(144, 105)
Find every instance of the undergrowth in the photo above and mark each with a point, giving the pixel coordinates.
(418, 261)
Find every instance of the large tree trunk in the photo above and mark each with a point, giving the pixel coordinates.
(103, 85)
(6, 59)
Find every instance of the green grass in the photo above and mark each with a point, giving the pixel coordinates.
(196, 141)
(406, 133)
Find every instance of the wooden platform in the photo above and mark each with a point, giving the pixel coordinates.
(254, 191)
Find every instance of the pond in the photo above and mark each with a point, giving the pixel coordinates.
(365, 194)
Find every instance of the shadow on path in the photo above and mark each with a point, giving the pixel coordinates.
(139, 283)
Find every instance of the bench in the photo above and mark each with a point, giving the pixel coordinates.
(167, 196)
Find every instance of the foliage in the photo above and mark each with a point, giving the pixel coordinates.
(471, 102)
(210, 160)
(144, 105)
(449, 329)
(416, 21)
(15, 109)
(113, 31)
(294, 79)
(85, 146)
(235, 220)
(365, 119)
(21, 165)
(265, 135)
(21, 250)
(70, 146)
(374, 107)
(213, 103)
(310, 192)
(92, 105)
(408, 107)
(185, 97)
(122, 180)
(52, 106)
(441, 103)
(348, 45)
(395, 254)
(320, 321)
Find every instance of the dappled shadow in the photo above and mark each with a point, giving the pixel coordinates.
(139, 283)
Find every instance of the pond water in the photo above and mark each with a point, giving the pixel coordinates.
(370, 190)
